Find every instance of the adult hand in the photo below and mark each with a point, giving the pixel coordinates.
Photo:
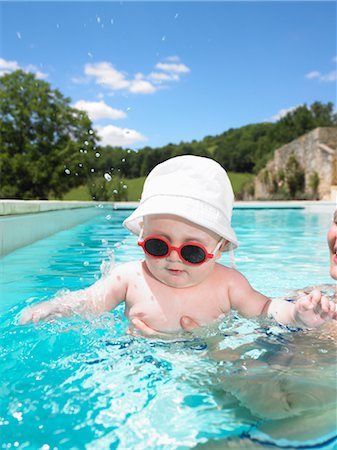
(188, 324)
(139, 328)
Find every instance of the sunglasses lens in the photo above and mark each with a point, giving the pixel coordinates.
(156, 247)
(193, 254)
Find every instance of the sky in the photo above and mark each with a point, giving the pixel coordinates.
(154, 73)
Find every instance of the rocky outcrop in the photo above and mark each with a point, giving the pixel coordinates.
(316, 155)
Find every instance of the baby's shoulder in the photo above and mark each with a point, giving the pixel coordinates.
(226, 271)
(126, 270)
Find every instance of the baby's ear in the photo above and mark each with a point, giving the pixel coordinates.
(224, 245)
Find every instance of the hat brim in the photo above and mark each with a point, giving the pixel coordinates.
(191, 209)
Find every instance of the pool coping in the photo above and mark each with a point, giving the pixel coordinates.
(18, 207)
(257, 204)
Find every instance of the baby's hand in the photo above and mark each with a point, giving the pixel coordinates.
(314, 310)
(42, 311)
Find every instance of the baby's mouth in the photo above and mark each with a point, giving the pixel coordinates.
(175, 271)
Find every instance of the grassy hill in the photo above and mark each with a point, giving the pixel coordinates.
(135, 186)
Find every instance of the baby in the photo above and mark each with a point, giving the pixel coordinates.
(184, 223)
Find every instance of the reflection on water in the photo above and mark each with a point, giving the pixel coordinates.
(241, 384)
(75, 383)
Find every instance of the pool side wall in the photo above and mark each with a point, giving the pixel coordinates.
(24, 222)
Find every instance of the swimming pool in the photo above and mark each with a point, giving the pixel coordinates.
(86, 384)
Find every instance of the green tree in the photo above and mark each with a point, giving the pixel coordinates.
(47, 147)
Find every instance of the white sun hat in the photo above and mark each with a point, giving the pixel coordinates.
(192, 187)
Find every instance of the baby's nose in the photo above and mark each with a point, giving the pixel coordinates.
(174, 256)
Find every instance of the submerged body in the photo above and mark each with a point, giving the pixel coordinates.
(159, 292)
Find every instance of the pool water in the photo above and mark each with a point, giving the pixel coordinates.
(77, 383)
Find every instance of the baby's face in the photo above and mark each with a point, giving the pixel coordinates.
(172, 270)
(332, 242)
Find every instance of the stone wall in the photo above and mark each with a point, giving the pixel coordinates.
(315, 151)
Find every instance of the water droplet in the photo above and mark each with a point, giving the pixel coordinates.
(112, 21)
(97, 155)
(90, 55)
(108, 217)
(67, 171)
(128, 109)
(57, 26)
(85, 151)
(92, 170)
(81, 150)
(123, 159)
(80, 165)
(98, 19)
(125, 186)
(86, 263)
(18, 34)
(91, 131)
(107, 176)
(104, 241)
(86, 143)
(176, 16)
(163, 38)
(115, 191)
(129, 151)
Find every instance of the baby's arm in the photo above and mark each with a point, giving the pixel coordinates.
(312, 310)
(102, 296)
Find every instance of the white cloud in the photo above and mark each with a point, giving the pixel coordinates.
(161, 76)
(141, 87)
(99, 110)
(7, 66)
(173, 58)
(115, 136)
(282, 113)
(36, 71)
(325, 77)
(331, 76)
(312, 75)
(172, 67)
(11, 66)
(105, 74)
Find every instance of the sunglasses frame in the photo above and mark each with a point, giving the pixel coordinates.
(177, 249)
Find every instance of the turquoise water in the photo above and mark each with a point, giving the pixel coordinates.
(86, 384)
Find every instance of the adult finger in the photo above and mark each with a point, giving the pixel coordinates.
(188, 324)
(145, 330)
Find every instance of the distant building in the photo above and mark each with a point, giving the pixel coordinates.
(316, 154)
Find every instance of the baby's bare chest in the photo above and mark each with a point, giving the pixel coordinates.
(163, 308)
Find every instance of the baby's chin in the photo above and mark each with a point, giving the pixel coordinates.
(178, 284)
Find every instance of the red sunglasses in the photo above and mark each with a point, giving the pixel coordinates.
(190, 252)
